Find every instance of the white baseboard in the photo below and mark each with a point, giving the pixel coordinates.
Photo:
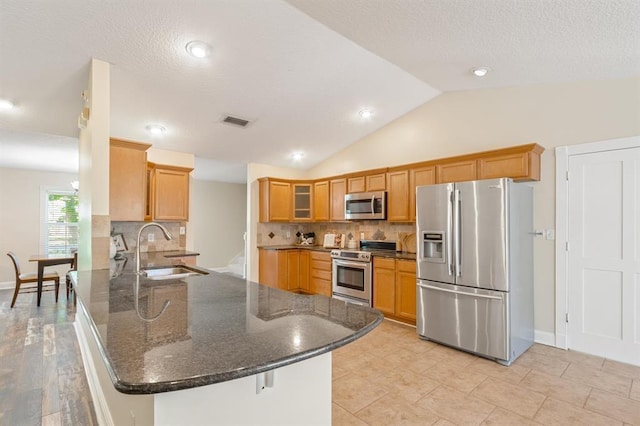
(103, 416)
(7, 285)
(544, 338)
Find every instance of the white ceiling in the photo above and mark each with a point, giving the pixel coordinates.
(300, 73)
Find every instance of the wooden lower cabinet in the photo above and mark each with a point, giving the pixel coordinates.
(293, 270)
(384, 285)
(394, 288)
(320, 273)
(406, 290)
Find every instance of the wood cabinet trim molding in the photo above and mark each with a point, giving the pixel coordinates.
(123, 143)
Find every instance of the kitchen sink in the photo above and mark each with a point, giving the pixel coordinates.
(171, 273)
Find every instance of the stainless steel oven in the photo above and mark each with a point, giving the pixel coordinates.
(352, 276)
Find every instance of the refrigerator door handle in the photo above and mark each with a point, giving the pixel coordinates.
(464, 293)
(450, 248)
(456, 234)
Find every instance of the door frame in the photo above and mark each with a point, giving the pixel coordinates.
(562, 214)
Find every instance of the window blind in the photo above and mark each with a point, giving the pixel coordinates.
(61, 226)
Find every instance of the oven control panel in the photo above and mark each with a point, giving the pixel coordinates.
(360, 256)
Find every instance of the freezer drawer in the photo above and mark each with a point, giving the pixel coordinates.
(471, 319)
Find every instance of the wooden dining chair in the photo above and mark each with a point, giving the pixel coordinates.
(32, 278)
(74, 267)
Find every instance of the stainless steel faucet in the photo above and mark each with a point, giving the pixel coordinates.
(166, 233)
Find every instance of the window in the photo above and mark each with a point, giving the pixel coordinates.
(61, 222)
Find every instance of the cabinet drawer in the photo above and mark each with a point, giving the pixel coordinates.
(381, 262)
(320, 255)
(320, 286)
(406, 266)
(318, 273)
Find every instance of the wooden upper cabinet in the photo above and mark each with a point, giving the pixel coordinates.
(302, 201)
(275, 200)
(170, 193)
(524, 165)
(321, 201)
(127, 180)
(419, 176)
(398, 196)
(377, 182)
(338, 191)
(356, 184)
(367, 183)
(458, 171)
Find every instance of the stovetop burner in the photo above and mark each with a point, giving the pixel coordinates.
(364, 253)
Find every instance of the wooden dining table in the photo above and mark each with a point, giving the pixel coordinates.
(48, 260)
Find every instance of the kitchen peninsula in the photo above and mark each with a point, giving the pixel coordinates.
(209, 349)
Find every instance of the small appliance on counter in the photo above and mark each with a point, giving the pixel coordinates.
(307, 238)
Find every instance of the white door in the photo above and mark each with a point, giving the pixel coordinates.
(604, 254)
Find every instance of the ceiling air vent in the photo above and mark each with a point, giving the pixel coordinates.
(236, 121)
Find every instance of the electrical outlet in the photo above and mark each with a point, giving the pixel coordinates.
(151, 237)
(182, 230)
(288, 234)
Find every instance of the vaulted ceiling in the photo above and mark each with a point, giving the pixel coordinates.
(300, 71)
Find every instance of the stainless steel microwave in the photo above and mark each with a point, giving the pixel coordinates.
(365, 205)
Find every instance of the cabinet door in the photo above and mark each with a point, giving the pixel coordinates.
(272, 267)
(517, 166)
(457, 172)
(418, 177)
(356, 184)
(293, 270)
(377, 182)
(398, 196)
(304, 270)
(338, 191)
(275, 201)
(321, 204)
(127, 180)
(384, 285)
(406, 289)
(171, 194)
(302, 202)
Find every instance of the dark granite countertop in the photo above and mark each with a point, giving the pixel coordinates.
(380, 253)
(216, 328)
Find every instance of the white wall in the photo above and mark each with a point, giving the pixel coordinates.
(471, 121)
(20, 206)
(217, 221)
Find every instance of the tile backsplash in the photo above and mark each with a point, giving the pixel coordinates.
(130, 232)
(285, 233)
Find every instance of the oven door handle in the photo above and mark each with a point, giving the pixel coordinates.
(340, 262)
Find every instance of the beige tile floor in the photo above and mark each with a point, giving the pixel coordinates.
(390, 377)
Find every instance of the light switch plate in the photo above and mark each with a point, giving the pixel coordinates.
(182, 230)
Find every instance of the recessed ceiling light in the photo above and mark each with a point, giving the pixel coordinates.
(156, 129)
(366, 113)
(297, 156)
(198, 49)
(6, 104)
(480, 72)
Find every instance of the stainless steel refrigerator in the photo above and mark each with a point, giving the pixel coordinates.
(475, 266)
